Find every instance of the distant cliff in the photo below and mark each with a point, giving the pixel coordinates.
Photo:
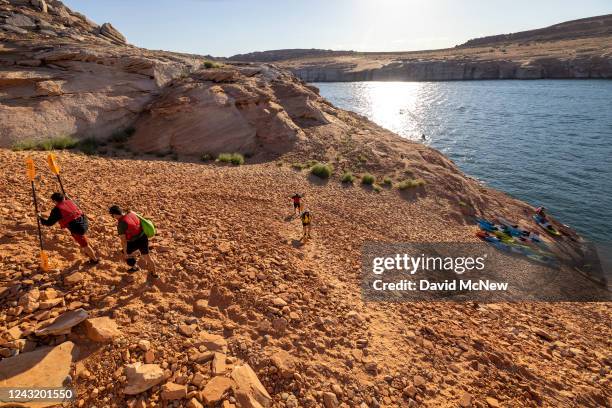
(574, 49)
(459, 69)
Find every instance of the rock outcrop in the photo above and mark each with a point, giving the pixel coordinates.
(46, 367)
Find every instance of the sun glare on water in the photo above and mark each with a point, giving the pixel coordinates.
(393, 105)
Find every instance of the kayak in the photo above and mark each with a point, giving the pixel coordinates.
(542, 222)
(506, 232)
(537, 256)
(515, 231)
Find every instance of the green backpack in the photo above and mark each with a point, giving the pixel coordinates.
(147, 226)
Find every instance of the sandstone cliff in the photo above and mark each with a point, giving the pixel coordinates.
(575, 49)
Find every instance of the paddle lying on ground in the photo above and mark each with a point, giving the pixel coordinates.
(31, 173)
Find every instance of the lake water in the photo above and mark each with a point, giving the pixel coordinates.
(547, 142)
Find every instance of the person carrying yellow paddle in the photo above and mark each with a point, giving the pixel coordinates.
(70, 216)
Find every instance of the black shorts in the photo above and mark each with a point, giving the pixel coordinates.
(296, 205)
(139, 244)
(79, 226)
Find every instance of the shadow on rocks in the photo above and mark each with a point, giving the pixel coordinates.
(317, 180)
(414, 193)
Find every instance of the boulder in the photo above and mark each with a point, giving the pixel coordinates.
(200, 307)
(63, 323)
(29, 301)
(284, 362)
(218, 364)
(248, 390)
(215, 389)
(48, 304)
(48, 294)
(144, 344)
(212, 342)
(194, 403)
(13, 29)
(220, 297)
(466, 400)
(107, 30)
(73, 279)
(101, 329)
(330, 400)
(173, 391)
(41, 5)
(187, 330)
(43, 367)
(14, 333)
(141, 377)
(20, 20)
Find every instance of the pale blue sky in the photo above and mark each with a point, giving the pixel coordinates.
(227, 27)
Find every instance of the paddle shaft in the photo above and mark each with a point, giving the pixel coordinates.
(59, 179)
(40, 240)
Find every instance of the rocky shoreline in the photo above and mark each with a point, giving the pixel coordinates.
(449, 70)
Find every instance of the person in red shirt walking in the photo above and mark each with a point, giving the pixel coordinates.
(133, 239)
(297, 203)
(70, 216)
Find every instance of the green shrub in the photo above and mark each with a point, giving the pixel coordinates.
(88, 146)
(210, 64)
(235, 158)
(368, 179)
(347, 177)
(206, 157)
(54, 143)
(64, 142)
(322, 170)
(377, 188)
(23, 145)
(387, 181)
(412, 183)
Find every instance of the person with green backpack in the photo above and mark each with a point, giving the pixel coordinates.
(135, 232)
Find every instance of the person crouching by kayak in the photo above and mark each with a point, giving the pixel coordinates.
(306, 218)
(70, 216)
(133, 239)
(297, 204)
(540, 211)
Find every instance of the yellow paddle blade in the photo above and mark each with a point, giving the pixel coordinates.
(52, 161)
(30, 169)
(44, 261)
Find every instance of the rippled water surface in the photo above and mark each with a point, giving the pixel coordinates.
(546, 142)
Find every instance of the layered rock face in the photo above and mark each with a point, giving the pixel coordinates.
(575, 49)
(62, 75)
(453, 70)
(243, 109)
